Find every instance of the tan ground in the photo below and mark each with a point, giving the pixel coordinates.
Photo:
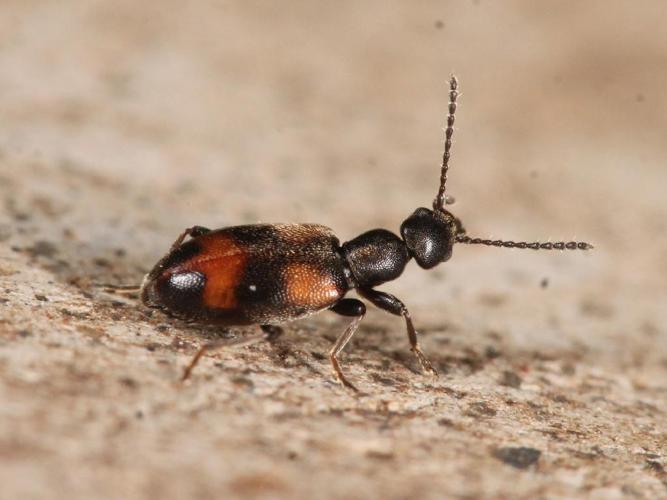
(121, 125)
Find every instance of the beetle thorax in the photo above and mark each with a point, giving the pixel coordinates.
(375, 257)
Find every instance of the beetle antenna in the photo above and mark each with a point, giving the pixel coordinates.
(441, 199)
(536, 245)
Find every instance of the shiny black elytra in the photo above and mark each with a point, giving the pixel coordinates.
(267, 274)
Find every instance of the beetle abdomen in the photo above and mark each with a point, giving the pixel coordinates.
(265, 273)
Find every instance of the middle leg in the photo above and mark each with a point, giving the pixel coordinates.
(346, 307)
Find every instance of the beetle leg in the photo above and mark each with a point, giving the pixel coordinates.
(346, 307)
(269, 333)
(393, 305)
(193, 232)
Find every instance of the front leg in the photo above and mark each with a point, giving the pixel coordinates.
(389, 303)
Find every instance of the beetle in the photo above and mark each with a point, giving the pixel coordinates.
(269, 274)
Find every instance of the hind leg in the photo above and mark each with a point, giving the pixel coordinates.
(193, 232)
(269, 333)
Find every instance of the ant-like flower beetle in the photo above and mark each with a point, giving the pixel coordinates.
(268, 274)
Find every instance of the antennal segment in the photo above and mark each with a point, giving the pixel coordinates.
(536, 245)
(441, 198)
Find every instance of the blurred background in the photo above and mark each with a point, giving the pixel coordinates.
(125, 122)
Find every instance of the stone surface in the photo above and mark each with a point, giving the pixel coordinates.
(124, 123)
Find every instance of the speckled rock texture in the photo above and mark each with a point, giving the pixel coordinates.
(124, 122)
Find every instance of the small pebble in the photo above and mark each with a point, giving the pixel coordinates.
(518, 457)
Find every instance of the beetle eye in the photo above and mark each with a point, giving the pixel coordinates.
(429, 236)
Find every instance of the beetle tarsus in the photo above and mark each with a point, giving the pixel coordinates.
(424, 362)
(193, 362)
(338, 373)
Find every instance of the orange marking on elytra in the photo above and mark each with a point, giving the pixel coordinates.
(223, 263)
(307, 285)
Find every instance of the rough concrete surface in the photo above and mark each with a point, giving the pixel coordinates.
(124, 122)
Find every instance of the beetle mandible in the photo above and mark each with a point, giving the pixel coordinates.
(268, 274)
